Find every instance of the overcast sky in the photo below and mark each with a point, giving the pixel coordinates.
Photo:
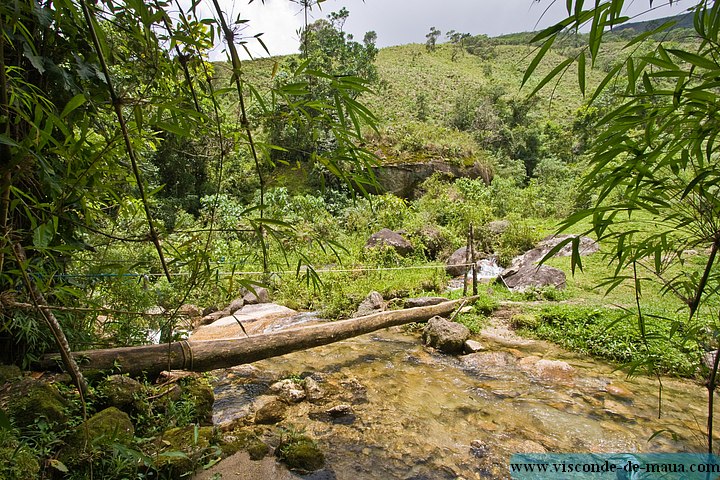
(399, 22)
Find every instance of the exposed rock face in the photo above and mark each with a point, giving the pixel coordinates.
(404, 179)
(454, 265)
(448, 337)
(423, 301)
(373, 303)
(391, 239)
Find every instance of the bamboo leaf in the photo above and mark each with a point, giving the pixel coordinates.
(538, 57)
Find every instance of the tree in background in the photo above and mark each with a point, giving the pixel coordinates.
(432, 37)
(654, 175)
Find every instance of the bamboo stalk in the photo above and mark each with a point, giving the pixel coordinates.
(201, 356)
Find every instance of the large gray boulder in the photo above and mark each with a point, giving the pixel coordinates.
(448, 337)
(394, 240)
(373, 303)
(528, 276)
(455, 265)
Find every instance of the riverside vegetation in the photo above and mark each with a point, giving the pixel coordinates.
(200, 172)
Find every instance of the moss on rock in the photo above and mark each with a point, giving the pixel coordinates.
(122, 392)
(248, 441)
(32, 400)
(9, 373)
(197, 388)
(184, 449)
(98, 434)
(301, 453)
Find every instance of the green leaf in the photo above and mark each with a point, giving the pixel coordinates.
(535, 61)
(74, 103)
(553, 73)
(173, 128)
(58, 465)
(581, 72)
(43, 235)
(694, 59)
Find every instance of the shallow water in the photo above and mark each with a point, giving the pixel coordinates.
(422, 415)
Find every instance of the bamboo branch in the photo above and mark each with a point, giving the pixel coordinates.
(117, 105)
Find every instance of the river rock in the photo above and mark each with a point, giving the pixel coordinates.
(549, 370)
(455, 264)
(121, 391)
(618, 409)
(99, 433)
(340, 410)
(255, 319)
(471, 346)
(619, 391)
(423, 301)
(448, 337)
(373, 303)
(387, 237)
(313, 392)
(270, 410)
(260, 295)
(288, 391)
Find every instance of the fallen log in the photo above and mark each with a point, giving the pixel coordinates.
(205, 355)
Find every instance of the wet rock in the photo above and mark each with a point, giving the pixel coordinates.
(618, 409)
(244, 440)
(313, 391)
(526, 446)
(260, 295)
(471, 346)
(487, 361)
(548, 370)
(619, 391)
(423, 301)
(270, 410)
(31, 400)
(98, 434)
(388, 238)
(373, 303)
(339, 410)
(479, 449)
(288, 390)
(454, 265)
(448, 337)
(300, 454)
(122, 392)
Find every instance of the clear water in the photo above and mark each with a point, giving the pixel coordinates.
(422, 415)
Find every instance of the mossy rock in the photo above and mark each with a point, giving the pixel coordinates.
(301, 454)
(248, 441)
(99, 433)
(32, 400)
(183, 452)
(197, 389)
(16, 461)
(122, 392)
(8, 373)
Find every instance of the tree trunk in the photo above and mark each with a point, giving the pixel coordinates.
(201, 356)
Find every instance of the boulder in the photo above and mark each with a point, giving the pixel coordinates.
(527, 276)
(189, 310)
(260, 295)
(122, 392)
(98, 434)
(313, 391)
(300, 454)
(31, 400)
(388, 238)
(234, 306)
(423, 301)
(373, 303)
(255, 319)
(270, 410)
(548, 370)
(448, 337)
(455, 264)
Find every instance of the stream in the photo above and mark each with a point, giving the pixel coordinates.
(417, 414)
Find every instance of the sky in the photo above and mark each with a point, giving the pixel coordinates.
(399, 22)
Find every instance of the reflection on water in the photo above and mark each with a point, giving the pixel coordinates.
(417, 414)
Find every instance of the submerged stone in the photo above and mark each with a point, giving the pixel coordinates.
(301, 453)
